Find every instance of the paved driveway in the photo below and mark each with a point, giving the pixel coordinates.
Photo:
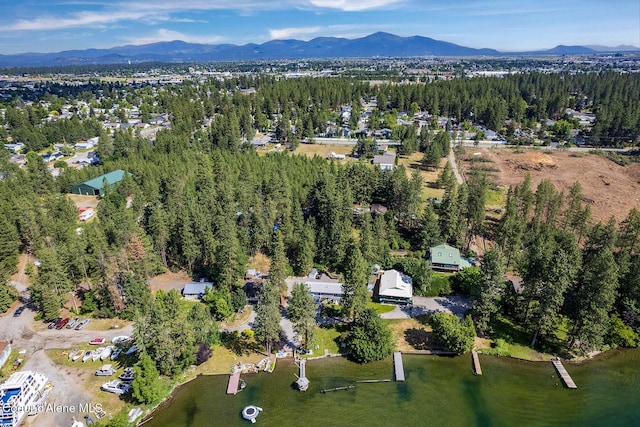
(455, 304)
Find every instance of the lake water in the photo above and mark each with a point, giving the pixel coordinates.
(438, 391)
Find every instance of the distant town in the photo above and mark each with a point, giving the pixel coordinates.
(162, 221)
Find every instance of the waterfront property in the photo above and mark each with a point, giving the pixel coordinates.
(447, 258)
(393, 287)
(321, 286)
(97, 186)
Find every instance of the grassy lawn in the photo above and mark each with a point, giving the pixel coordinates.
(512, 340)
(7, 369)
(224, 358)
(106, 324)
(381, 308)
(325, 338)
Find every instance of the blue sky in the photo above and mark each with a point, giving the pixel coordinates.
(507, 25)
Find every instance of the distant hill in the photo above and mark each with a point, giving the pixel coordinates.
(374, 45)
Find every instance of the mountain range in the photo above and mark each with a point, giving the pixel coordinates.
(374, 45)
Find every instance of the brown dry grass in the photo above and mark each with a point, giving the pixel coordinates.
(323, 150)
(412, 334)
(610, 189)
(83, 202)
(260, 262)
(412, 163)
(169, 280)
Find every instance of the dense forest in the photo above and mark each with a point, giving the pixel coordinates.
(205, 201)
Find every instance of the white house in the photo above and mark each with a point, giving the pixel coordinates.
(393, 287)
(386, 161)
(196, 290)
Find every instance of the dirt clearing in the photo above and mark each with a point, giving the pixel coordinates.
(610, 189)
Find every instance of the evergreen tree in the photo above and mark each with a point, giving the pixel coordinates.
(370, 339)
(302, 312)
(146, 387)
(355, 295)
(267, 323)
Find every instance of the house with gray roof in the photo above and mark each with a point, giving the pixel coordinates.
(393, 287)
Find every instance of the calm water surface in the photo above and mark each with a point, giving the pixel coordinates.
(439, 391)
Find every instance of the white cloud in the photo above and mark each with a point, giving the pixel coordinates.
(343, 30)
(294, 32)
(164, 35)
(354, 5)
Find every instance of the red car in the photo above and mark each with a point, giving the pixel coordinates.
(97, 341)
(61, 323)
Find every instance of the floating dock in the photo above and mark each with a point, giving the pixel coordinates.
(477, 370)
(234, 382)
(399, 369)
(563, 373)
(328, 390)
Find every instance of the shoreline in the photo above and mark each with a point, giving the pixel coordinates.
(171, 393)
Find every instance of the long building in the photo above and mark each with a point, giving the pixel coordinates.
(23, 393)
(96, 186)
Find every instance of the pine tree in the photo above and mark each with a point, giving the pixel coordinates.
(302, 312)
(355, 271)
(267, 323)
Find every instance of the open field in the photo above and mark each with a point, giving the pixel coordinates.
(83, 202)
(610, 189)
(323, 150)
(169, 280)
(412, 163)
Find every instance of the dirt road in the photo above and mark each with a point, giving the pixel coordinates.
(34, 337)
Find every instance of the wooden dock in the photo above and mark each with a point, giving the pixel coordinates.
(477, 370)
(329, 390)
(234, 382)
(399, 368)
(563, 373)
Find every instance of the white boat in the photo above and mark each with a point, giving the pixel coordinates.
(106, 353)
(87, 355)
(22, 394)
(116, 353)
(251, 412)
(78, 355)
(128, 374)
(105, 371)
(116, 387)
(72, 353)
(120, 339)
(97, 352)
(134, 414)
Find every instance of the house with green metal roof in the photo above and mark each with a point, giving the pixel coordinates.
(97, 186)
(447, 258)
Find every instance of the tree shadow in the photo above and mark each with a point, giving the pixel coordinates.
(419, 339)
(240, 345)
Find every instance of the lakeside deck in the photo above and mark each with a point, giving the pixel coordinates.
(568, 381)
(477, 370)
(234, 382)
(399, 368)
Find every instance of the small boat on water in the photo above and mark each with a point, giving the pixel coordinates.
(97, 352)
(251, 412)
(106, 353)
(116, 353)
(72, 353)
(78, 355)
(87, 355)
(115, 387)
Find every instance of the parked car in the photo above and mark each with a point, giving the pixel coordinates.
(97, 341)
(73, 323)
(82, 324)
(61, 323)
(54, 322)
(19, 311)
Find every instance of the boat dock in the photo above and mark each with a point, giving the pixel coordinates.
(234, 382)
(563, 373)
(399, 368)
(477, 370)
(303, 381)
(271, 364)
